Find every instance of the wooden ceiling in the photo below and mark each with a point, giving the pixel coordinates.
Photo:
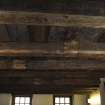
(51, 47)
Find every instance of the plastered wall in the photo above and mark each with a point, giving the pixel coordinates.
(42, 99)
(39, 99)
(80, 99)
(5, 99)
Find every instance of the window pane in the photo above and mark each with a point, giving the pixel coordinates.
(62, 100)
(21, 104)
(16, 104)
(57, 100)
(16, 99)
(22, 100)
(57, 104)
(27, 100)
(26, 104)
(62, 104)
(67, 100)
(67, 104)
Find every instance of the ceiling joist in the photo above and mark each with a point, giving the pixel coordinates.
(50, 49)
(52, 65)
(51, 19)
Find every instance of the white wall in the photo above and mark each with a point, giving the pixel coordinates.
(42, 99)
(39, 99)
(80, 99)
(96, 97)
(5, 99)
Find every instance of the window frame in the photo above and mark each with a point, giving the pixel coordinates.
(64, 97)
(13, 98)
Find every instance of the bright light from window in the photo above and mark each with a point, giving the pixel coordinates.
(22, 101)
(95, 100)
(62, 101)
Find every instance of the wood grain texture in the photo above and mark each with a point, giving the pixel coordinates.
(51, 49)
(51, 19)
(57, 82)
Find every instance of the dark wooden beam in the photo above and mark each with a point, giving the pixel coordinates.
(81, 77)
(72, 49)
(31, 49)
(51, 19)
(89, 7)
(51, 64)
(41, 89)
(66, 64)
(52, 74)
(49, 81)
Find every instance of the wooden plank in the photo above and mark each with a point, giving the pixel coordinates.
(61, 64)
(52, 75)
(50, 78)
(4, 37)
(72, 82)
(56, 79)
(22, 33)
(65, 64)
(93, 50)
(18, 33)
(50, 19)
(44, 89)
(12, 33)
(26, 49)
(49, 81)
(38, 33)
(71, 64)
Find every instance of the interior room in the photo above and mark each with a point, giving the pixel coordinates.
(52, 52)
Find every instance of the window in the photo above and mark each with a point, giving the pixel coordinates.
(62, 100)
(22, 100)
